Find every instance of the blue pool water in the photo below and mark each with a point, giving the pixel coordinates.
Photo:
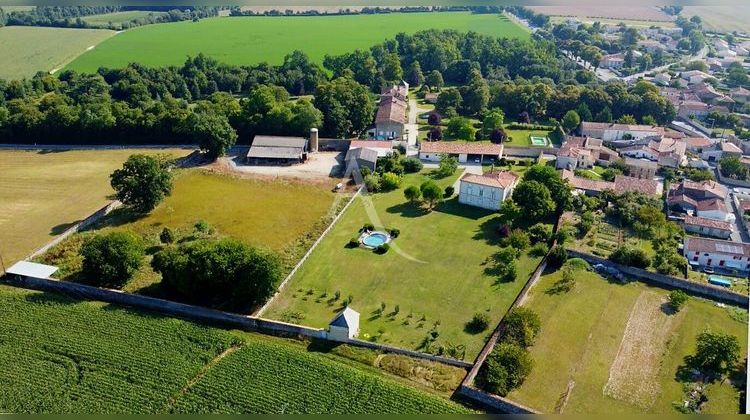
(375, 239)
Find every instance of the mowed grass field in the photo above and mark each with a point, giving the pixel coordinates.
(118, 18)
(436, 272)
(721, 18)
(45, 192)
(610, 348)
(25, 50)
(281, 215)
(65, 356)
(255, 39)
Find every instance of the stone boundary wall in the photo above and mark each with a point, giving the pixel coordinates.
(333, 145)
(76, 228)
(495, 402)
(39, 146)
(705, 290)
(528, 152)
(302, 260)
(205, 315)
(730, 181)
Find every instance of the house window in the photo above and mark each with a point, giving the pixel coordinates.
(721, 263)
(695, 258)
(708, 262)
(481, 192)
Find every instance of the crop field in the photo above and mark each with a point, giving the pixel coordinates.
(254, 39)
(45, 192)
(608, 11)
(118, 18)
(260, 212)
(64, 356)
(26, 50)
(721, 18)
(607, 347)
(436, 275)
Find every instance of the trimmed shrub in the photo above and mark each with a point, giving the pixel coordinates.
(109, 260)
(479, 322)
(557, 257)
(353, 242)
(538, 250)
(434, 118)
(412, 165)
(166, 236)
(394, 232)
(629, 256)
(449, 190)
(505, 369)
(677, 298)
(382, 249)
(368, 226)
(390, 181)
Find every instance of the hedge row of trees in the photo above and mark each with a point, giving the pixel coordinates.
(70, 16)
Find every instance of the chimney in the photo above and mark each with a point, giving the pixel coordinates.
(313, 140)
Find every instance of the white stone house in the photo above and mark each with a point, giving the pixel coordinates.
(714, 253)
(345, 326)
(487, 191)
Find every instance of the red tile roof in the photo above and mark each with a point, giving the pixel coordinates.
(625, 184)
(391, 109)
(709, 223)
(498, 179)
(372, 144)
(695, 244)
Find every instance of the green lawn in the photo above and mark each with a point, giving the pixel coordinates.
(26, 50)
(436, 271)
(522, 138)
(118, 18)
(254, 39)
(583, 364)
(66, 356)
(259, 212)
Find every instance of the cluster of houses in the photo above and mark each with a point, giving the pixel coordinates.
(654, 39)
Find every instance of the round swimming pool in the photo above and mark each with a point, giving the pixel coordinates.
(374, 239)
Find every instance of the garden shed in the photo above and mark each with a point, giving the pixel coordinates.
(344, 326)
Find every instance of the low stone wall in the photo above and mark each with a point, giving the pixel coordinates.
(706, 290)
(412, 353)
(492, 401)
(76, 228)
(528, 152)
(333, 145)
(730, 181)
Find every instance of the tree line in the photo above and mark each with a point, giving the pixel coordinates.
(70, 16)
(205, 99)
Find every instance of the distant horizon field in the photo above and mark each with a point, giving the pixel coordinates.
(118, 17)
(52, 48)
(254, 39)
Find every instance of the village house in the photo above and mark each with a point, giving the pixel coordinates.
(740, 94)
(464, 152)
(584, 152)
(704, 199)
(612, 61)
(614, 131)
(664, 151)
(719, 150)
(382, 147)
(697, 144)
(707, 227)
(488, 190)
(651, 45)
(390, 118)
(621, 185)
(641, 168)
(692, 109)
(360, 157)
(695, 76)
(663, 79)
(717, 254)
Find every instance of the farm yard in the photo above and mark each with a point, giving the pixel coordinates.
(26, 50)
(101, 358)
(606, 347)
(436, 276)
(263, 213)
(45, 192)
(254, 39)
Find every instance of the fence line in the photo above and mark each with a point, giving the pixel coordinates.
(263, 308)
(207, 316)
(95, 216)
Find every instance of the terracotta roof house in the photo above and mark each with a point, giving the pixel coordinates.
(641, 168)
(584, 152)
(707, 227)
(697, 144)
(704, 199)
(665, 151)
(717, 254)
(488, 190)
(585, 185)
(740, 94)
(390, 118)
(625, 184)
(694, 108)
(719, 150)
(464, 152)
(611, 131)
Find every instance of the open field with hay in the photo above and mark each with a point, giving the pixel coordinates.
(255, 39)
(607, 347)
(721, 18)
(26, 50)
(436, 276)
(61, 355)
(45, 192)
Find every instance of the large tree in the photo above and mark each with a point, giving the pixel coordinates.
(346, 105)
(716, 352)
(505, 369)
(534, 199)
(551, 179)
(143, 182)
(212, 132)
(109, 260)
